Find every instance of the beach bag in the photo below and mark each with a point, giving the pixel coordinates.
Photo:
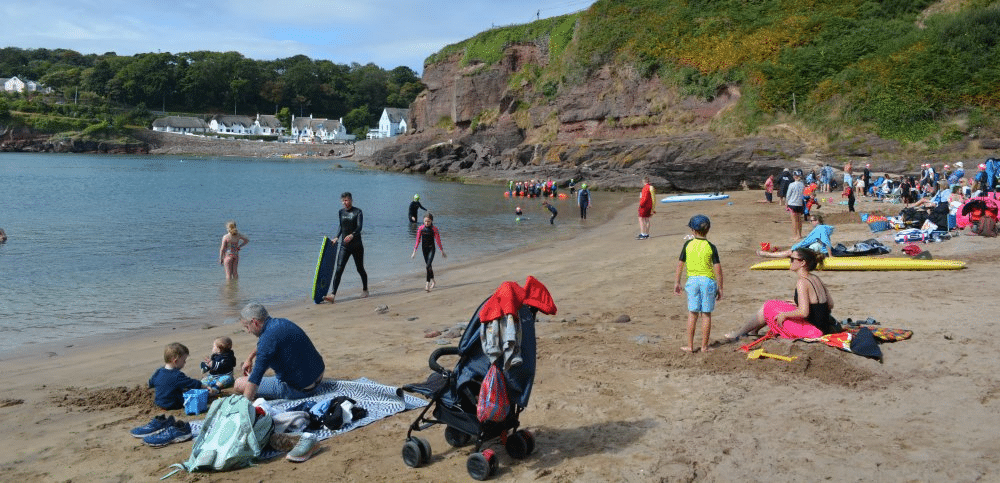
(232, 435)
(494, 404)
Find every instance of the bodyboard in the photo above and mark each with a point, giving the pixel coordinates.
(868, 263)
(693, 197)
(324, 269)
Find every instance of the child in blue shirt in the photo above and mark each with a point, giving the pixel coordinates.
(704, 283)
(169, 382)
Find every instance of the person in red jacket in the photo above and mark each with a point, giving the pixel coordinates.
(645, 208)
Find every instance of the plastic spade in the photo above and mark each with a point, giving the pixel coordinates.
(758, 353)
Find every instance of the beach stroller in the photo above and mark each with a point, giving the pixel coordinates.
(458, 396)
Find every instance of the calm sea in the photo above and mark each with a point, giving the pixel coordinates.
(107, 244)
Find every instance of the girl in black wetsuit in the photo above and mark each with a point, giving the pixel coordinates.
(427, 234)
(349, 235)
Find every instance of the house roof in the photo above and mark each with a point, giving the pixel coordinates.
(180, 122)
(227, 120)
(330, 125)
(266, 120)
(396, 114)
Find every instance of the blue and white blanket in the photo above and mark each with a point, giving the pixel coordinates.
(378, 399)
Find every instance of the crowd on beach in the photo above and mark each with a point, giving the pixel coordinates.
(939, 194)
(298, 368)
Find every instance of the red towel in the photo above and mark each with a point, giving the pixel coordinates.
(509, 297)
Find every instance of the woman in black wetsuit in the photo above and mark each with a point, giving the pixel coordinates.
(349, 235)
(427, 234)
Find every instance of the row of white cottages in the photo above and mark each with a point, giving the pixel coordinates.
(304, 129)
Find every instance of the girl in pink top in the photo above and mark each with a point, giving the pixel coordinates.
(428, 234)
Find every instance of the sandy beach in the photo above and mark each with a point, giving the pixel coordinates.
(614, 400)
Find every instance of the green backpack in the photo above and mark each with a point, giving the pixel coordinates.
(230, 438)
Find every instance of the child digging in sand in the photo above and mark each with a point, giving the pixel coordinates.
(169, 382)
(704, 282)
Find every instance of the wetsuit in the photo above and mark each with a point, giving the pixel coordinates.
(351, 222)
(583, 199)
(552, 209)
(414, 206)
(427, 237)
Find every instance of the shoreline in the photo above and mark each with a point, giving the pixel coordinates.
(614, 399)
(389, 285)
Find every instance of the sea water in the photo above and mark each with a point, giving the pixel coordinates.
(108, 244)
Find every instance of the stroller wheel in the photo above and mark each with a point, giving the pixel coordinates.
(416, 452)
(456, 438)
(482, 466)
(519, 445)
(531, 440)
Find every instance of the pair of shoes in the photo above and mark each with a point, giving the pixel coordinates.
(155, 425)
(175, 433)
(641, 236)
(307, 446)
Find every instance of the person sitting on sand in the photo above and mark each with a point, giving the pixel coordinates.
(704, 283)
(284, 348)
(220, 364)
(818, 240)
(169, 383)
(807, 316)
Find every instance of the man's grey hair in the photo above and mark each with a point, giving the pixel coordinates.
(254, 310)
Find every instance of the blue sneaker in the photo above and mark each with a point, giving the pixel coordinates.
(175, 433)
(154, 426)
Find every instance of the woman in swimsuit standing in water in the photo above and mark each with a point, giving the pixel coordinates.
(229, 252)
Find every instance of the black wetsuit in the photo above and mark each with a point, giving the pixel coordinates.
(552, 209)
(427, 236)
(351, 222)
(414, 206)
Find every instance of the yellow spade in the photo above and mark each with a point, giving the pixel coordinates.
(758, 353)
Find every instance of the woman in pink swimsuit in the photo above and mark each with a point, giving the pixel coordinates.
(229, 252)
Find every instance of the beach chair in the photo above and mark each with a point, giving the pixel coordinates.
(454, 396)
(895, 196)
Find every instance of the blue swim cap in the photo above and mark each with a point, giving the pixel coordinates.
(699, 223)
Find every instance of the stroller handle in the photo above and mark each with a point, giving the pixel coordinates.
(437, 354)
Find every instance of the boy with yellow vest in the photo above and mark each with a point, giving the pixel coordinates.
(704, 282)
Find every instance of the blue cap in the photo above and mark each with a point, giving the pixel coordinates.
(699, 223)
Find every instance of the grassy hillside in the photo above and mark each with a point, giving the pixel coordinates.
(905, 69)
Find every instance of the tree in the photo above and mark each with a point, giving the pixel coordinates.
(285, 116)
(356, 122)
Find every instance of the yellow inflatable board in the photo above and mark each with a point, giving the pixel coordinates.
(868, 263)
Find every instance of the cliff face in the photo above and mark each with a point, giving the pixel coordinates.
(612, 129)
(491, 122)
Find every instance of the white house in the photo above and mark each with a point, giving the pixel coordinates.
(392, 123)
(14, 84)
(238, 125)
(180, 124)
(309, 130)
(266, 125)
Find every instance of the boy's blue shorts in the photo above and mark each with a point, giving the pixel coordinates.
(701, 294)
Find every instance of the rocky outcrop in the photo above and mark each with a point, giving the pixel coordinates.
(488, 122)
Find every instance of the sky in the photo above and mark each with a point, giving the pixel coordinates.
(389, 33)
